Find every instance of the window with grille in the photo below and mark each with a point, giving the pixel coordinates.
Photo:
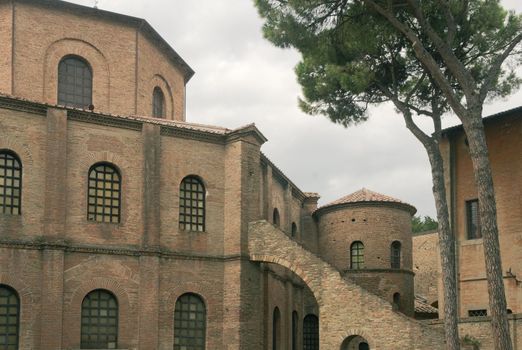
(104, 197)
(9, 318)
(275, 217)
(10, 183)
(276, 329)
(74, 82)
(473, 218)
(99, 328)
(158, 103)
(395, 255)
(192, 204)
(477, 313)
(190, 322)
(357, 255)
(311, 333)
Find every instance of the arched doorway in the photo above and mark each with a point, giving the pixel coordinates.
(355, 342)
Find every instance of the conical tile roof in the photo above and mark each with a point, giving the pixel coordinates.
(364, 195)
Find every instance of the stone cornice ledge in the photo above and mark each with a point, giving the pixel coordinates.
(247, 130)
(128, 251)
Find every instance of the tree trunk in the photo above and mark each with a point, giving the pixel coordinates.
(446, 237)
(478, 150)
(447, 250)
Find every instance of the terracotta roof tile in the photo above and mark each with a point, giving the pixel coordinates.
(423, 307)
(364, 195)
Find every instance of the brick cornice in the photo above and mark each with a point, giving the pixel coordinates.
(40, 244)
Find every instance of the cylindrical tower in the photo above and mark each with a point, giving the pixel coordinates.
(367, 236)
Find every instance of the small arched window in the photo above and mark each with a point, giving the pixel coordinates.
(395, 255)
(275, 217)
(276, 329)
(294, 229)
(74, 82)
(311, 332)
(10, 183)
(99, 320)
(158, 103)
(357, 255)
(396, 301)
(190, 323)
(295, 329)
(104, 197)
(9, 318)
(192, 204)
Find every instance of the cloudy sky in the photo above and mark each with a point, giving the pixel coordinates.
(241, 78)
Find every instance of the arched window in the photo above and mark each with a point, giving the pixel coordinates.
(158, 103)
(295, 329)
(99, 320)
(357, 255)
(74, 82)
(190, 322)
(10, 183)
(192, 204)
(276, 329)
(396, 301)
(395, 255)
(311, 332)
(9, 318)
(104, 198)
(275, 218)
(294, 230)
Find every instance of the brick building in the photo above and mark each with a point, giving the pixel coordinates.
(123, 226)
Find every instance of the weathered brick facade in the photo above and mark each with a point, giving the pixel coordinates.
(241, 266)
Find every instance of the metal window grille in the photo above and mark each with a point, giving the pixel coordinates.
(192, 205)
(472, 213)
(357, 255)
(74, 82)
(190, 318)
(311, 333)
(104, 196)
(396, 255)
(9, 318)
(10, 183)
(99, 321)
(477, 313)
(158, 103)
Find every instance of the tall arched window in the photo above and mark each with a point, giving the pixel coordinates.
(357, 255)
(294, 230)
(158, 103)
(10, 183)
(9, 318)
(311, 332)
(395, 255)
(276, 329)
(74, 82)
(104, 197)
(295, 329)
(275, 217)
(190, 322)
(192, 204)
(99, 320)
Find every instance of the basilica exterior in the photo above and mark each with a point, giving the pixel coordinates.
(124, 226)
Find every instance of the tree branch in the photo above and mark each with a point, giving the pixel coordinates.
(494, 69)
